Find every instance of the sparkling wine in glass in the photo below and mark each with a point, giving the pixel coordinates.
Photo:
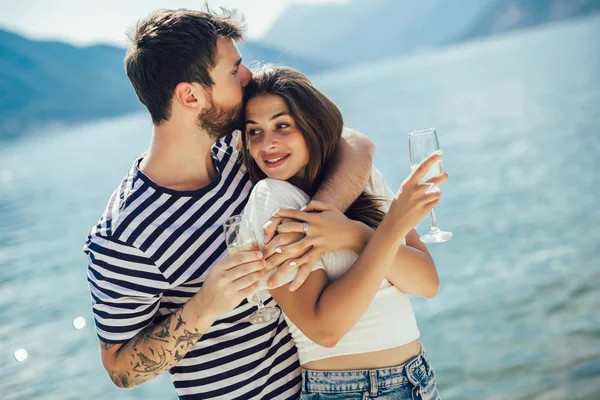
(239, 236)
(421, 144)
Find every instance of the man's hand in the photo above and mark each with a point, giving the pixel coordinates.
(304, 236)
(230, 281)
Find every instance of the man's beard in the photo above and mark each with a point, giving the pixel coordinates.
(218, 121)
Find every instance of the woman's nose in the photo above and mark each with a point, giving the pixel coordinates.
(269, 142)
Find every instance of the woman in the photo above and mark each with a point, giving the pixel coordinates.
(357, 320)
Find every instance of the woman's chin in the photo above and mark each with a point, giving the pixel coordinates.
(279, 175)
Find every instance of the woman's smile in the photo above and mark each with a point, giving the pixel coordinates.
(275, 160)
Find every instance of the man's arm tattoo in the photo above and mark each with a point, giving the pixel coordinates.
(156, 349)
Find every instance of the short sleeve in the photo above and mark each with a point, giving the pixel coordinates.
(126, 288)
(377, 186)
(267, 196)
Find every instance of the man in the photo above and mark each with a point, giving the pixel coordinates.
(166, 296)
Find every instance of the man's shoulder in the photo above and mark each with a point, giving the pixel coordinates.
(108, 240)
(122, 202)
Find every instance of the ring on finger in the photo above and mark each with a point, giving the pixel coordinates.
(305, 227)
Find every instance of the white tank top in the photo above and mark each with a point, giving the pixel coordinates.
(389, 321)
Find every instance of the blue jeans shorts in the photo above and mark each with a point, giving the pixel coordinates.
(413, 380)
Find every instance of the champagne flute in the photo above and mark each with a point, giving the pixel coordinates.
(421, 144)
(239, 236)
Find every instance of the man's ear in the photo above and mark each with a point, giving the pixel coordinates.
(191, 96)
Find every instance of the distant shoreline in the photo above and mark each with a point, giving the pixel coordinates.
(53, 127)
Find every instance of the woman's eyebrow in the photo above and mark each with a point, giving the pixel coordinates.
(249, 121)
(279, 115)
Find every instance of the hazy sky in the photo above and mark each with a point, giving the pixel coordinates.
(87, 21)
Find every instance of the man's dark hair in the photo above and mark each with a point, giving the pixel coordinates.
(174, 46)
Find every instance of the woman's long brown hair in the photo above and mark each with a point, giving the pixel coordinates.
(321, 124)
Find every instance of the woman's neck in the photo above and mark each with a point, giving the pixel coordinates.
(299, 181)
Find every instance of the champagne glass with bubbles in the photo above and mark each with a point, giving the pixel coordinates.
(239, 236)
(421, 144)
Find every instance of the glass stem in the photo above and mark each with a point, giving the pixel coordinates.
(434, 226)
(259, 300)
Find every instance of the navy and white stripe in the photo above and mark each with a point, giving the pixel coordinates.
(149, 254)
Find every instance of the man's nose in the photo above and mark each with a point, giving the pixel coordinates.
(247, 75)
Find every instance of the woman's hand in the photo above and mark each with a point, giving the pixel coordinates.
(321, 228)
(415, 200)
(327, 228)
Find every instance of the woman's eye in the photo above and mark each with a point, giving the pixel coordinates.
(282, 126)
(253, 132)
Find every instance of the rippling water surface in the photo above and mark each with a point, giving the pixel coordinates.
(517, 315)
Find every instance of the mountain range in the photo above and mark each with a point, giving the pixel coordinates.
(363, 31)
(45, 82)
(509, 15)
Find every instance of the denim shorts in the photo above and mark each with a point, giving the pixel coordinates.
(413, 380)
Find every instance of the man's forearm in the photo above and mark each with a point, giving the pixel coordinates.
(349, 171)
(157, 348)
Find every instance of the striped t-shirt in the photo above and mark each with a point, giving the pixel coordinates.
(150, 253)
